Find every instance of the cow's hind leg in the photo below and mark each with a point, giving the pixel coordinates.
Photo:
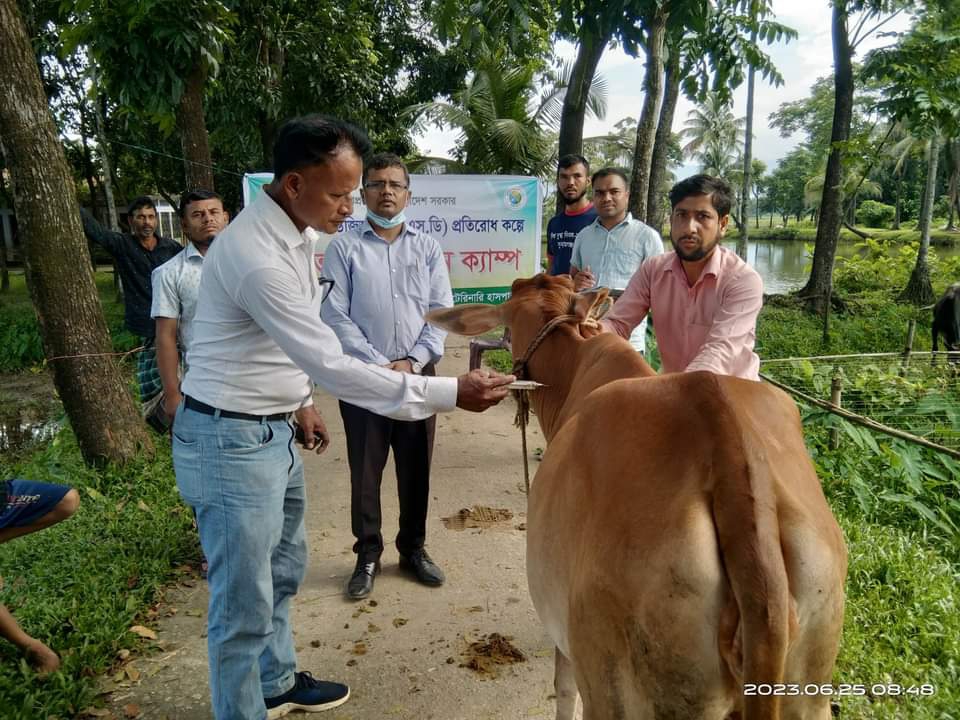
(565, 686)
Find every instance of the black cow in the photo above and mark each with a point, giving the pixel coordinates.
(946, 319)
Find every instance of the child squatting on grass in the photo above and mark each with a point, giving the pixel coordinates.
(26, 507)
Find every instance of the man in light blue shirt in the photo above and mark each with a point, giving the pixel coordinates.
(387, 276)
(611, 249)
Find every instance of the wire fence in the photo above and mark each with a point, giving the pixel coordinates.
(917, 396)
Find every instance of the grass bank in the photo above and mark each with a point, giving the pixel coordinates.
(81, 585)
(808, 233)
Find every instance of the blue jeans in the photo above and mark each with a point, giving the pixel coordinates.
(244, 480)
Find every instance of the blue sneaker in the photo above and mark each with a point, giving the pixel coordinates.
(307, 694)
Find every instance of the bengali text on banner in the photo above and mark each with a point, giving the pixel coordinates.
(487, 225)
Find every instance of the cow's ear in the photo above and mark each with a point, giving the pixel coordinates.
(590, 303)
(471, 319)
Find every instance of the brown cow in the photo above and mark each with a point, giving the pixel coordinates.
(680, 551)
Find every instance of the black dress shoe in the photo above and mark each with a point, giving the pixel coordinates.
(361, 582)
(422, 567)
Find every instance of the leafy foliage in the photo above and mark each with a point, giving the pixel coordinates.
(504, 129)
(21, 345)
(883, 266)
(146, 49)
(875, 214)
(786, 184)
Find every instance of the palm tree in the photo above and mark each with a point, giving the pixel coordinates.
(505, 128)
(715, 135)
(614, 148)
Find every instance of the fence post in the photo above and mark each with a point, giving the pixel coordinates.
(911, 331)
(836, 392)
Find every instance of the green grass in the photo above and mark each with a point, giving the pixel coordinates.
(80, 585)
(902, 624)
(20, 344)
(874, 323)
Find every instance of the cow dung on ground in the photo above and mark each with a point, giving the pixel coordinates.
(486, 655)
(479, 516)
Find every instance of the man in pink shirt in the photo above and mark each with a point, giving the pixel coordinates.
(704, 298)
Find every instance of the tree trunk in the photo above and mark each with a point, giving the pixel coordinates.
(4, 271)
(953, 188)
(919, 290)
(819, 287)
(102, 413)
(647, 126)
(955, 196)
(856, 231)
(105, 161)
(592, 45)
(194, 140)
(661, 144)
(267, 128)
(896, 205)
(744, 236)
(99, 110)
(88, 171)
(272, 57)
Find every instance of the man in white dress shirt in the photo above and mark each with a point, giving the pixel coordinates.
(258, 347)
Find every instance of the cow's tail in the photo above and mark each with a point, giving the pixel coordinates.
(748, 530)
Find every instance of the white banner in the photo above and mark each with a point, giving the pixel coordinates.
(487, 225)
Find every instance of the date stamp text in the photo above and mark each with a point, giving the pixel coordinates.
(841, 690)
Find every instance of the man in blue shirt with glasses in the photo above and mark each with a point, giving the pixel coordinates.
(387, 276)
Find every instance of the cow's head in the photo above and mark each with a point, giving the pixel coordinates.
(533, 303)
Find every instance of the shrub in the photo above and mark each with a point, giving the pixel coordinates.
(875, 214)
(21, 345)
(882, 265)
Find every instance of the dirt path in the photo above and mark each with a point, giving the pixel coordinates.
(403, 654)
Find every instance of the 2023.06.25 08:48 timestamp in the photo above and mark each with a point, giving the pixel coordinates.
(841, 690)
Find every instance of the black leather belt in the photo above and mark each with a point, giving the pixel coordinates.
(202, 407)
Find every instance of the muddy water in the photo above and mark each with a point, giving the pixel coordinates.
(29, 411)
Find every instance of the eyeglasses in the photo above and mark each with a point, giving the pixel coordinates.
(326, 286)
(378, 185)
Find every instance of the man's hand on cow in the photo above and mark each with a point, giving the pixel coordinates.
(311, 431)
(584, 279)
(480, 389)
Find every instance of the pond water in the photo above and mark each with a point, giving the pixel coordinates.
(28, 401)
(19, 430)
(784, 265)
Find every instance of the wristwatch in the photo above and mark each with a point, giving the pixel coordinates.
(415, 364)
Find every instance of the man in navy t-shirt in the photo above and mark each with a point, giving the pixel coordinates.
(573, 180)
